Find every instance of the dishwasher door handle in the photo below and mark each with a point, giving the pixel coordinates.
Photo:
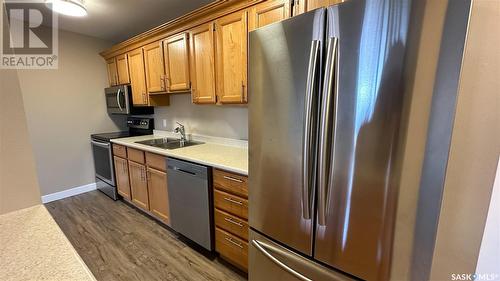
(183, 171)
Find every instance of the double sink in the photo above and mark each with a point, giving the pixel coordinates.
(168, 143)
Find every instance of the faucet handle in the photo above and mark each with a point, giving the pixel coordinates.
(179, 124)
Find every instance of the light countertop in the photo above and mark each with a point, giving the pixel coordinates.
(226, 157)
(33, 247)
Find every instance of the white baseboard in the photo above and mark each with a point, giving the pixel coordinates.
(68, 193)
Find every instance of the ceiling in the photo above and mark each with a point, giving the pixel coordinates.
(118, 20)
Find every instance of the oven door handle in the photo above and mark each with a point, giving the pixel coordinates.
(101, 144)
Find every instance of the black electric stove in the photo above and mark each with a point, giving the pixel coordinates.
(103, 152)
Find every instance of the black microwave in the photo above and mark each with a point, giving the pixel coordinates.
(119, 101)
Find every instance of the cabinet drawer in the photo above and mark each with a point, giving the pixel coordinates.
(119, 150)
(231, 224)
(135, 155)
(231, 203)
(232, 248)
(156, 161)
(231, 183)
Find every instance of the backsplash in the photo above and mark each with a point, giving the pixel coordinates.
(211, 120)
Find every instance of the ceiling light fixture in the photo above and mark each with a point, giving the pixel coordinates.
(74, 8)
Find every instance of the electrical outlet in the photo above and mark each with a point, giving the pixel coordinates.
(164, 123)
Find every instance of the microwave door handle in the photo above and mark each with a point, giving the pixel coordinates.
(118, 99)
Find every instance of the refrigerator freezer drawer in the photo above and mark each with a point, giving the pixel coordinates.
(270, 261)
(232, 204)
(231, 224)
(231, 248)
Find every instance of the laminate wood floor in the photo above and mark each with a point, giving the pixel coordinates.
(119, 243)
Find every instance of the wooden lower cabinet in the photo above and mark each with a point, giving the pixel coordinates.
(122, 178)
(139, 185)
(231, 248)
(231, 217)
(158, 194)
(142, 180)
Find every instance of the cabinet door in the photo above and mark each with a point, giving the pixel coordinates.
(112, 72)
(137, 77)
(202, 67)
(301, 6)
(122, 66)
(138, 185)
(176, 54)
(155, 72)
(268, 12)
(122, 179)
(231, 33)
(158, 194)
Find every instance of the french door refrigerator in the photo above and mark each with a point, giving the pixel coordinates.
(325, 108)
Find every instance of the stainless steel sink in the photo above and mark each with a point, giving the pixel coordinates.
(167, 143)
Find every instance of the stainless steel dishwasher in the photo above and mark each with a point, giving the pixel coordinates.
(190, 200)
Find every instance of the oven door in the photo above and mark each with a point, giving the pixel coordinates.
(117, 100)
(103, 161)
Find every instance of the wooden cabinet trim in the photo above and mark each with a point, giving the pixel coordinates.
(183, 23)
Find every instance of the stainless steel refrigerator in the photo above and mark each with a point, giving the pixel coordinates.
(326, 91)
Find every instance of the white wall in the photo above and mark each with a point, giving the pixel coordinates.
(212, 120)
(63, 107)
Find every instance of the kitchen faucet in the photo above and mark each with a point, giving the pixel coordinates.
(180, 129)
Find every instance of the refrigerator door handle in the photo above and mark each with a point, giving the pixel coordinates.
(308, 128)
(329, 87)
(260, 246)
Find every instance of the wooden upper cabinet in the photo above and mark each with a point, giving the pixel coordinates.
(202, 68)
(137, 77)
(112, 72)
(176, 52)
(158, 194)
(155, 71)
(302, 6)
(268, 12)
(231, 32)
(122, 68)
